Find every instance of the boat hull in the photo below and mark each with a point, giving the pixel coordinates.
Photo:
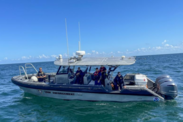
(66, 95)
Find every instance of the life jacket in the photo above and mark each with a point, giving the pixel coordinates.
(96, 73)
(40, 73)
(101, 69)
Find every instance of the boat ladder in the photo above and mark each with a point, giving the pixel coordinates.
(144, 88)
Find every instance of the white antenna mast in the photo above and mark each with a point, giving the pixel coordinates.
(67, 38)
(79, 52)
(79, 37)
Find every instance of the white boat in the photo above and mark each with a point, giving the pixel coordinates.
(61, 85)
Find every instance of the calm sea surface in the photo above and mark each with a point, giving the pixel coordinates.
(16, 106)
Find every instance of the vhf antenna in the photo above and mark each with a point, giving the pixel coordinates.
(79, 37)
(67, 38)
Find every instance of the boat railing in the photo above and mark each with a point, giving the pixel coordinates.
(21, 68)
(30, 66)
(27, 65)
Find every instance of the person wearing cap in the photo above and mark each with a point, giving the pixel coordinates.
(118, 82)
(79, 76)
(103, 74)
(41, 75)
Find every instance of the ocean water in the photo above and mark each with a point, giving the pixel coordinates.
(16, 106)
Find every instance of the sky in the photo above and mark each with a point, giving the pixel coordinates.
(34, 30)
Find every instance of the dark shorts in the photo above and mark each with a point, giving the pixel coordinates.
(40, 79)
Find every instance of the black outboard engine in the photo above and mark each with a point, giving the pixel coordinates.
(166, 87)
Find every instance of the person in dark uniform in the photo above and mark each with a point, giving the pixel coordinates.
(103, 74)
(41, 75)
(79, 76)
(118, 81)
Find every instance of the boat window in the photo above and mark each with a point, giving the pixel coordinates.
(129, 77)
(93, 68)
(71, 69)
(83, 68)
(63, 70)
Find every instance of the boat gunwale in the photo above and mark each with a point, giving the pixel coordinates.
(77, 88)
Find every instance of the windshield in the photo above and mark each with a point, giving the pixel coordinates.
(63, 70)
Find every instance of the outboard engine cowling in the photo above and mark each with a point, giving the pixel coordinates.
(166, 87)
(161, 77)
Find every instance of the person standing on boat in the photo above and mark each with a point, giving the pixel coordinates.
(103, 74)
(118, 81)
(79, 76)
(96, 77)
(41, 75)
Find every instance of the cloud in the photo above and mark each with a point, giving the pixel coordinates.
(165, 48)
(42, 56)
(93, 51)
(137, 50)
(53, 56)
(157, 48)
(166, 45)
(164, 42)
(24, 57)
(162, 49)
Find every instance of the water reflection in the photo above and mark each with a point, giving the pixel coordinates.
(62, 110)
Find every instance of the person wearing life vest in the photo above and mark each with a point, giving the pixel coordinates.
(96, 77)
(41, 75)
(102, 69)
(118, 82)
(103, 74)
(79, 76)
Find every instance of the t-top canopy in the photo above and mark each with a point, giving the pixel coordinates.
(115, 61)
